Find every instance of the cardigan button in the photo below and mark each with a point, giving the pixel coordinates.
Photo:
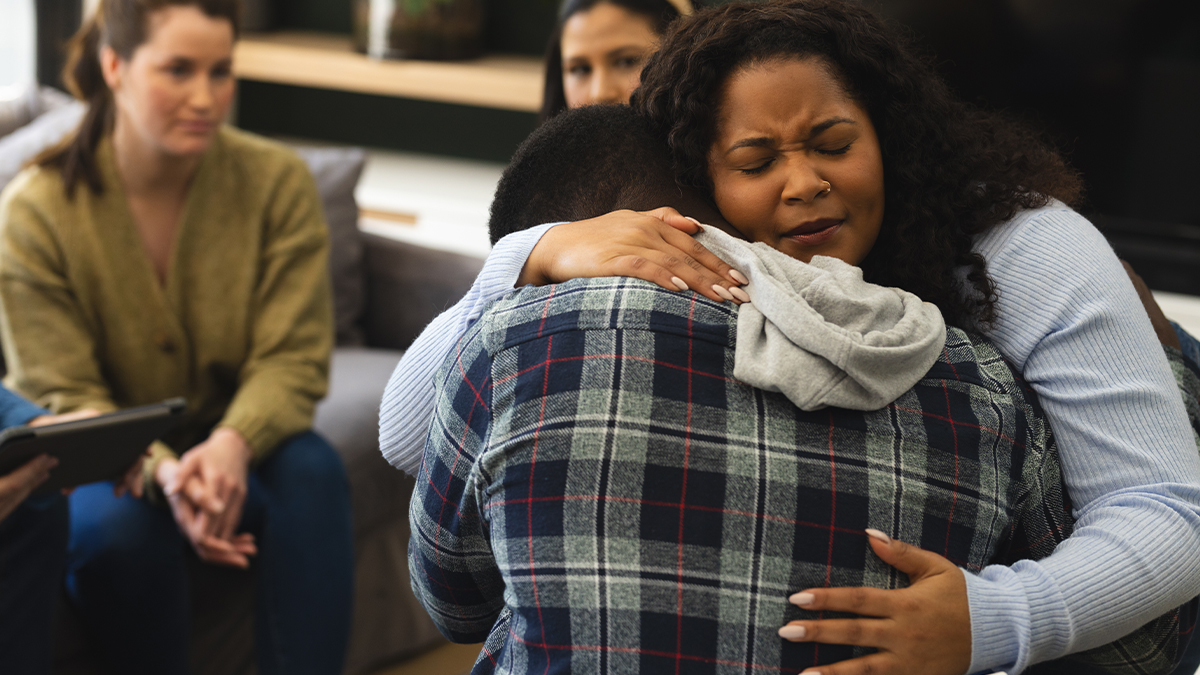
(164, 342)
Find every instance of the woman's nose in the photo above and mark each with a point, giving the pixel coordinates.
(803, 183)
(201, 95)
(607, 88)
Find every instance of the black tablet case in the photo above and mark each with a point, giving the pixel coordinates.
(89, 450)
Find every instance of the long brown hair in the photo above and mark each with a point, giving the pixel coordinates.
(123, 26)
(660, 13)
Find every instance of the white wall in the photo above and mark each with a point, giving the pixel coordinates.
(17, 45)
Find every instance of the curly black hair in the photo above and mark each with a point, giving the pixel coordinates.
(950, 171)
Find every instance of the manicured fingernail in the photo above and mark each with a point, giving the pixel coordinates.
(720, 290)
(680, 283)
(694, 220)
(792, 632)
(802, 599)
(739, 293)
(879, 536)
(739, 277)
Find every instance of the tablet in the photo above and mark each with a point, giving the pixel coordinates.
(93, 449)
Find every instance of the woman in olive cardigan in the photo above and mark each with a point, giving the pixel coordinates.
(160, 254)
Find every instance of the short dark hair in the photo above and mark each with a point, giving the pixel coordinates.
(951, 171)
(587, 162)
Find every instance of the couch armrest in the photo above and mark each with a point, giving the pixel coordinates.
(409, 285)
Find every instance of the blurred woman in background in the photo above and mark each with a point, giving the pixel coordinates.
(159, 253)
(597, 51)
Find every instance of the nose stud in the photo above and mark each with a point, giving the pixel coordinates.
(828, 188)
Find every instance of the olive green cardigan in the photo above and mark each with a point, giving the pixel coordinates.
(243, 328)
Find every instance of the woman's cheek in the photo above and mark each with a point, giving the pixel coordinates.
(224, 97)
(742, 205)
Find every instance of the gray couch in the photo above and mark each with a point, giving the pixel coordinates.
(385, 292)
(407, 286)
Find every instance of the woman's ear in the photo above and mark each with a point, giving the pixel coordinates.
(112, 65)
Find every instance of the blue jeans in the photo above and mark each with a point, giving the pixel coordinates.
(126, 573)
(33, 553)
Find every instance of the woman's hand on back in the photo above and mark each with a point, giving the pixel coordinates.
(207, 490)
(923, 629)
(655, 246)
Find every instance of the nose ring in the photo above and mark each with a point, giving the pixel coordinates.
(828, 188)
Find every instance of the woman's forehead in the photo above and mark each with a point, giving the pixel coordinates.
(606, 24)
(186, 30)
(784, 93)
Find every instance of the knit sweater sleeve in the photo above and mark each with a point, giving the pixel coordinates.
(49, 346)
(287, 370)
(408, 401)
(1072, 322)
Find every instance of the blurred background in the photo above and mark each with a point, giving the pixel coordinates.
(1115, 84)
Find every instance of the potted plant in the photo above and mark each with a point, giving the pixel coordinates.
(420, 29)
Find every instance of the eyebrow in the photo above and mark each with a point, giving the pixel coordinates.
(817, 130)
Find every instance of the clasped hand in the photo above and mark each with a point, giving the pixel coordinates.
(655, 246)
(206, 489)
(925, 628)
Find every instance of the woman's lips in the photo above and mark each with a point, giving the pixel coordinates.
(815, 232)
(193, 127)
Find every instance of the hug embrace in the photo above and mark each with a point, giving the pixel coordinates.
(604, 489)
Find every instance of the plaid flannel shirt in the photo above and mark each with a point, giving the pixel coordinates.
(598, 494)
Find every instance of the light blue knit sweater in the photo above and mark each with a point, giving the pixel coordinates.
(1071, 321)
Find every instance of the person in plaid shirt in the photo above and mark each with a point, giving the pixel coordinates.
(599, 494)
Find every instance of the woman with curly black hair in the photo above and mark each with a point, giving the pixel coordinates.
(815, 129)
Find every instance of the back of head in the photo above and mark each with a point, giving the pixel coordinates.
(123, 26)
(584, 163)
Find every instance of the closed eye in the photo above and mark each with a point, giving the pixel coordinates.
(755, 170)
(837, 151)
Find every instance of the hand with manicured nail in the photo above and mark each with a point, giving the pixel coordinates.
(925, 628)
(656, 246)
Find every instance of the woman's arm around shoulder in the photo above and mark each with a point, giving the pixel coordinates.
(49, 347)
(656, 246)
(408, 402)
(1070, 319)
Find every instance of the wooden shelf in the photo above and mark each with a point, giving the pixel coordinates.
(327, 61)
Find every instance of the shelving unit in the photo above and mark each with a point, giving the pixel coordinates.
(327, 61)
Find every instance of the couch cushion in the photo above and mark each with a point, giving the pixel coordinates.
(409, 285)
(47, 130)
(336, 171)
(349, 419)
(389, 623)
(28, 105)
